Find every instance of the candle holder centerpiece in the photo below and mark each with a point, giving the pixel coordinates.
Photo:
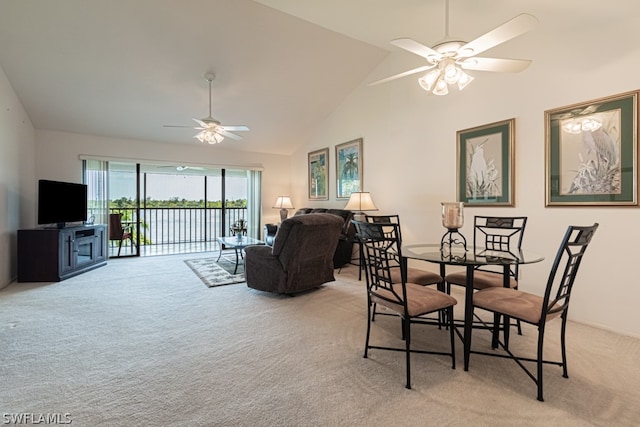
(452, 220)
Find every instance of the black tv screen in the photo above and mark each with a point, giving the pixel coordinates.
(61, 202)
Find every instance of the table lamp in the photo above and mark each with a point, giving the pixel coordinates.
(359, 202)
(283, 203)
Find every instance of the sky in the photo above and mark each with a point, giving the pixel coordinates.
(167, 186)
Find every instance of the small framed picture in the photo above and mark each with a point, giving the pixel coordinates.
(485, 164)
(591, 152)
(318, 164)
(348, 168)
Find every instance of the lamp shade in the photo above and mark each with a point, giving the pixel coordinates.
(360, 202)
(283, 202)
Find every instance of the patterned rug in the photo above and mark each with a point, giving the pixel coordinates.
(214, 273)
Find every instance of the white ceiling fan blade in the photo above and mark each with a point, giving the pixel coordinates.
(495, 64)
(228, 134)
(510, 29)
(406, 73)
(203, 124)
(234, 128)
(177, 126)
(415, 47)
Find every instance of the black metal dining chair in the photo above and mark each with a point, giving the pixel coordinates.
(538, 310)
(493, 233)
(414, 275)
(410, 301)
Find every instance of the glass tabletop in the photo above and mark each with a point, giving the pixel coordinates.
(457, 255)
(235, 242)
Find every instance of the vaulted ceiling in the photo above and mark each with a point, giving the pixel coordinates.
(126, 68)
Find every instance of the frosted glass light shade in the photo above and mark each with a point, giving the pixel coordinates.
(209, 137)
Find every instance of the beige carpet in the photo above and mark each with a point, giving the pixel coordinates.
(141, 342)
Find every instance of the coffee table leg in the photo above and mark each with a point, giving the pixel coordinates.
(235, 270)
(220, 253)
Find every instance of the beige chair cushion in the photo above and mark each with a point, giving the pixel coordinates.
(517, 304)
(481, 279)
(417, 276)
(421, 300)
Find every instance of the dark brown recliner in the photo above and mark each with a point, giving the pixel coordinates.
(301, 257)
(344, 249)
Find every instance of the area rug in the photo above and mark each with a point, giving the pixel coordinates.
(214, 273)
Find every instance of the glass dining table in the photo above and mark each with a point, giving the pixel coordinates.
(472, 257)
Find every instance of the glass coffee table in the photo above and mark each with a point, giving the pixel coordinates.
(237, 244)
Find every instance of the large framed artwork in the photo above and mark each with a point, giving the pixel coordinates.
(318, 166)
(591, 152)
(348, 168)
(485, 164)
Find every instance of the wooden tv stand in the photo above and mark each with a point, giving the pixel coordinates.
(52, 254)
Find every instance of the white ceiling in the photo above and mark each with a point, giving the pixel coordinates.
(125, 68)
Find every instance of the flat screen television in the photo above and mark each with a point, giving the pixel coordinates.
(61, 202)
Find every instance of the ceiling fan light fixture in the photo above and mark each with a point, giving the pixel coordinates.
(209, 136)
(452, 55)
(451, 72)
(464, 80)
(441, 88)
(427, 81)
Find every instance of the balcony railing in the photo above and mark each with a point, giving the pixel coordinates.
(161, 226)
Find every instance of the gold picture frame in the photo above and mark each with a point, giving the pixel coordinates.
(348, 168)
(318, 174)
(486, 164)
(591, 151)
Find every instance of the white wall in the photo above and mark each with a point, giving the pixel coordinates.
(410, 160)
(57, 157)
(16, 176)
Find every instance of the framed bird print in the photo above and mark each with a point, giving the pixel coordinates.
(485, 164)
(591, 152)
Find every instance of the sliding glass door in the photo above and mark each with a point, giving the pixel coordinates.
(170, 205)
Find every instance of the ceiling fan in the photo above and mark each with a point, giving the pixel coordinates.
(448, 59)
(211, 131)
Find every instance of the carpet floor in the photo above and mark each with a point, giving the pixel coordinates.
(140, 342)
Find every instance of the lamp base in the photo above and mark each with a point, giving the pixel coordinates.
(449, 239)
(284, 213)
(360, 216)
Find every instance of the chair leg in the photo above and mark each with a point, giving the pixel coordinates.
(563, 345)
(407, 334)
(119, 247)
(366, 343)
(452, 337)
(507, 327)
(539, 362)
(495, 332)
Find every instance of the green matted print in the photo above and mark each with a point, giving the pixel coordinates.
(318, 167)
(591, 152)
(485, 164)
(348, 168)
